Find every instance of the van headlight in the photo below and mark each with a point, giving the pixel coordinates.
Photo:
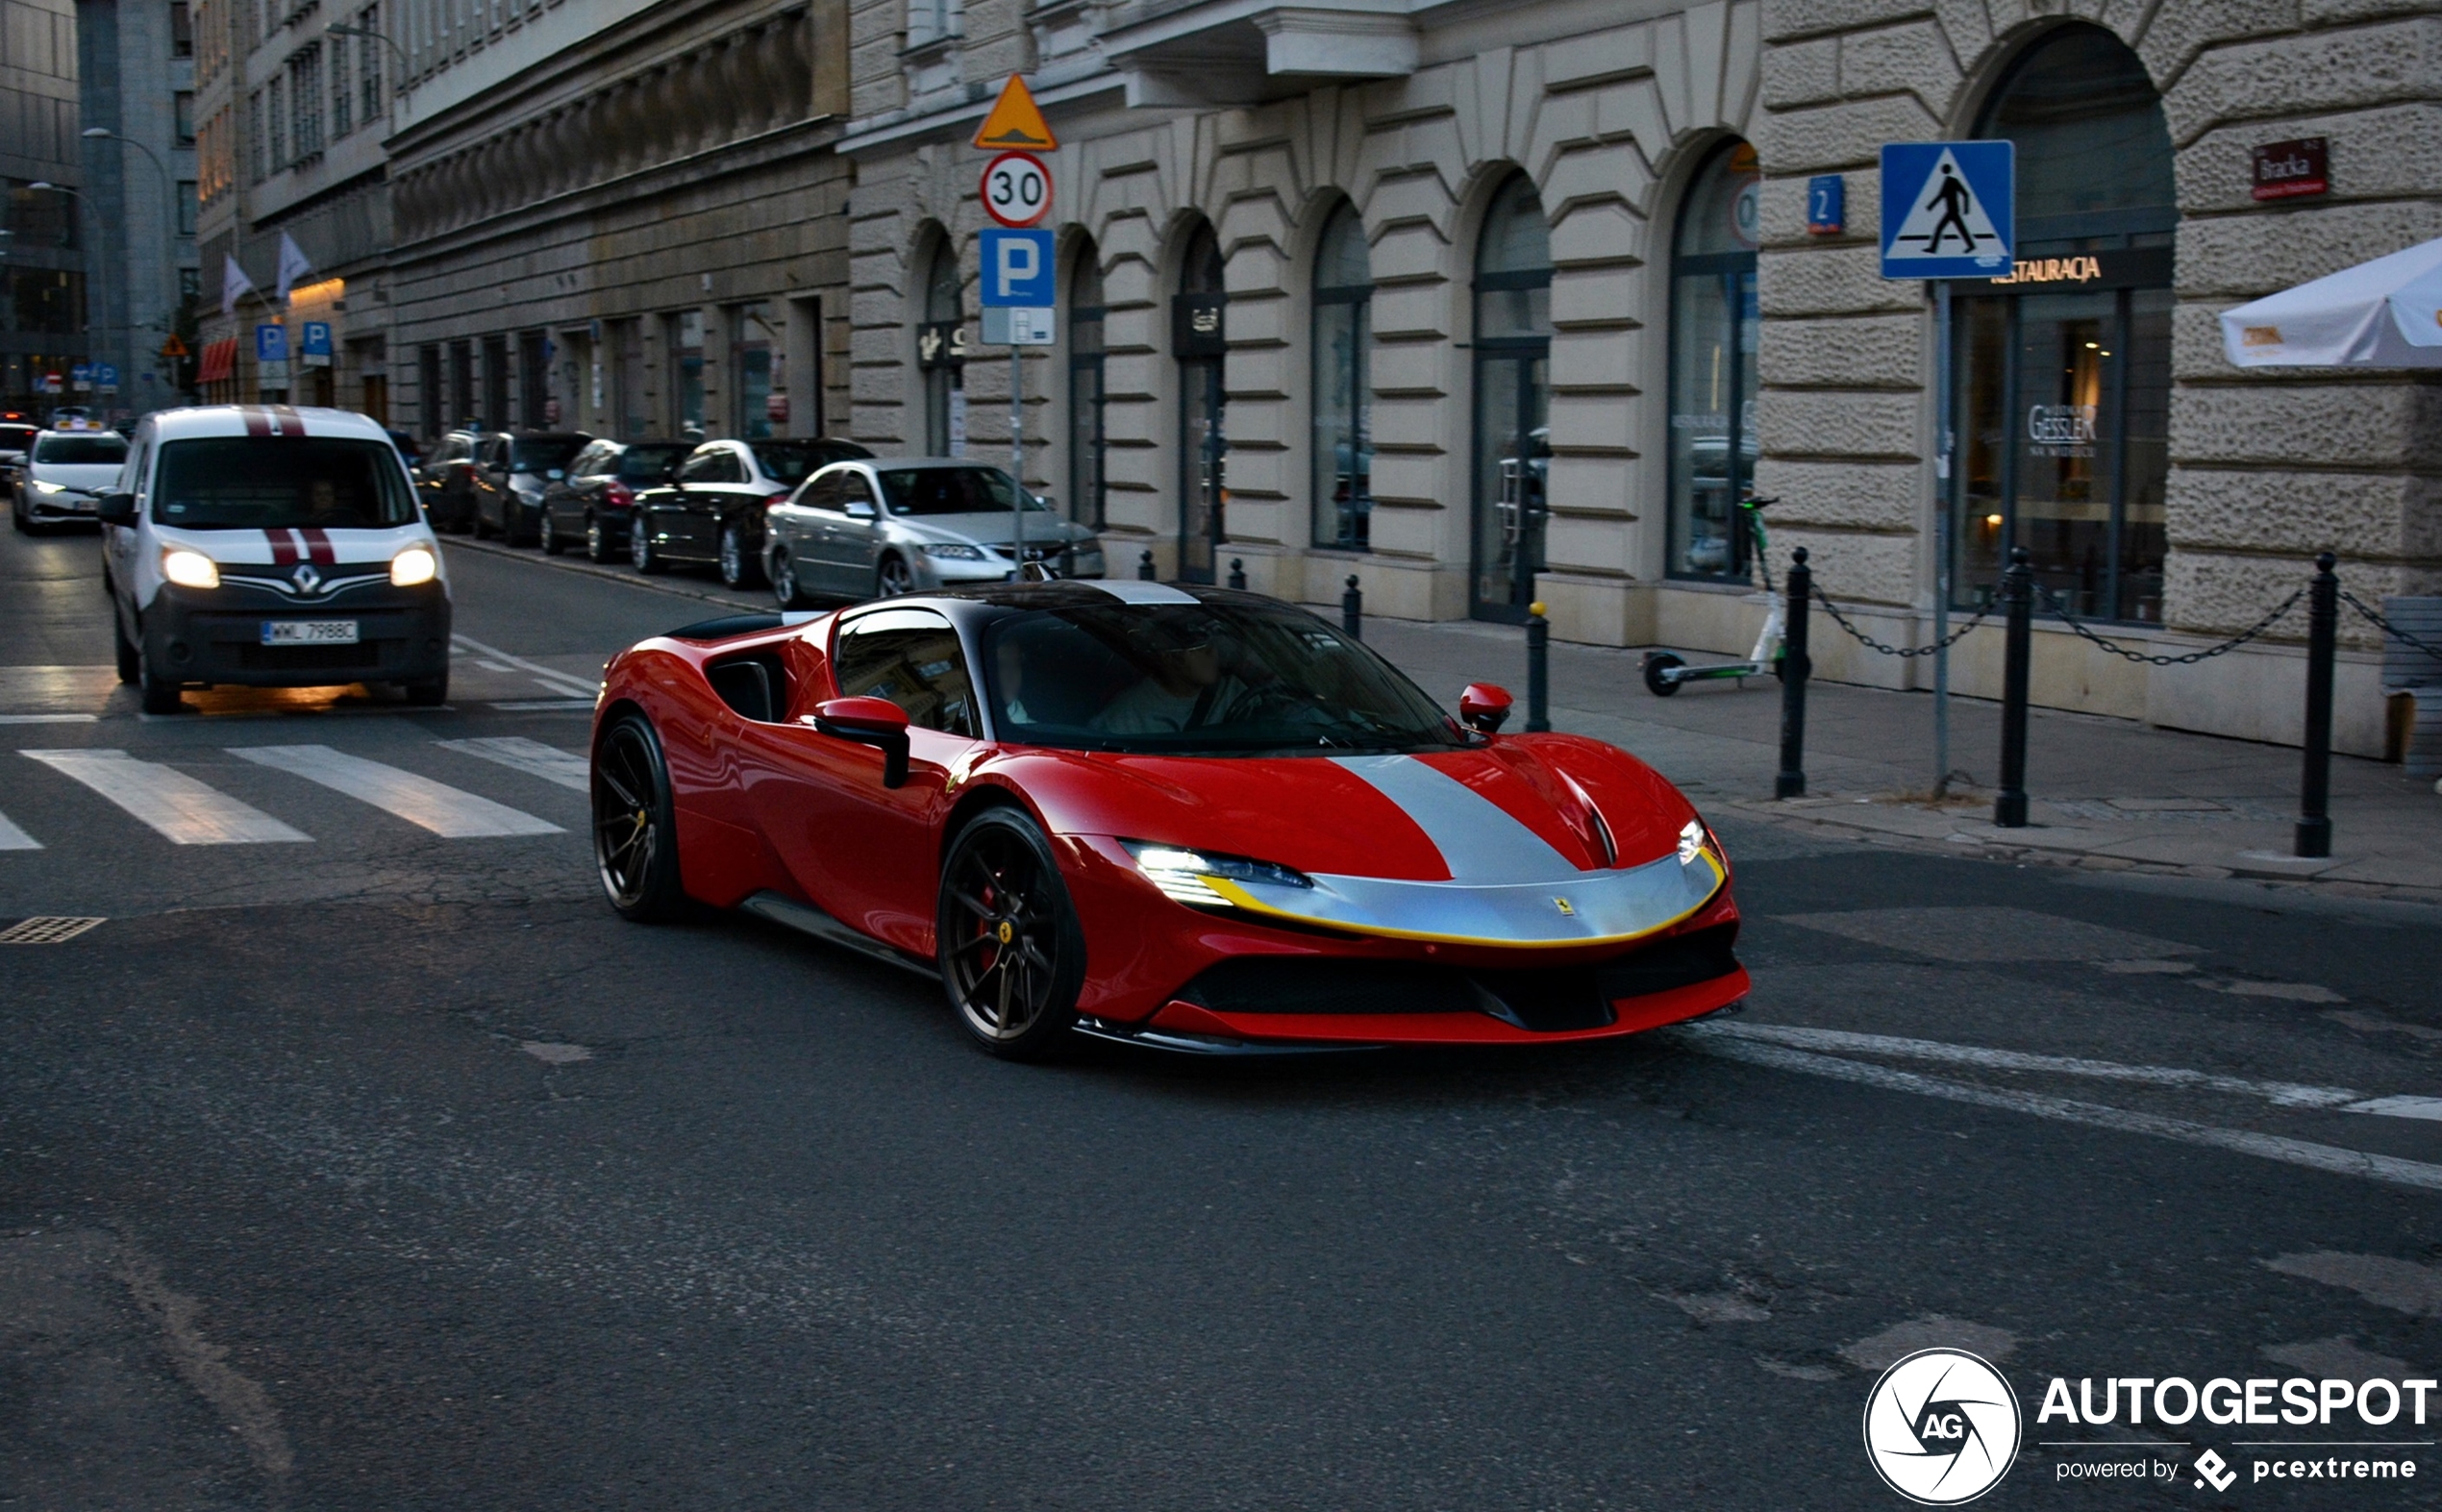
(1185, 875)
(189, 569)
(413, 566)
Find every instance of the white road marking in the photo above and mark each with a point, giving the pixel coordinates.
(557, 681)
(489, 665)
(48, 719)
(531, 757)
(445, 811)
(180, 809)
(13, 839)
(1712, 1039)
(2400, 1107)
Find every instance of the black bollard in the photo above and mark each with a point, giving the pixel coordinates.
(1237, 572)
(1538, 669)
(1144, 565)
(2322, 630)
(1795, 669)
(2018, 599)
(1352, 610)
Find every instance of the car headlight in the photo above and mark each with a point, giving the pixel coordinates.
(189, 569)
(1695, 840)
(50, 487)
(954, 550)
(413, 566)
(1186, 876)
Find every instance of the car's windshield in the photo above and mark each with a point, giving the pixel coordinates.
(647, 464)
(247, 482)
(534, 454)
(949, 490)
(89, 451)
(1227, 678)
(789, 461)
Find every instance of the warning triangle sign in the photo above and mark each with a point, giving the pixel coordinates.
(1016, 123)
(173, 348)
(1944, 219)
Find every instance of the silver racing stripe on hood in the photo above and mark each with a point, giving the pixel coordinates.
(1479, 840)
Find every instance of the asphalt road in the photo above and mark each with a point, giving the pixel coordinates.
(382, 1167)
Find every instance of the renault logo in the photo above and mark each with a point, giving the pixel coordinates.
(306, 578)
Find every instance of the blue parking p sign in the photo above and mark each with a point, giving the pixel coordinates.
(1948, 209)
(317, 338)
(271, 343)
(1017, 269)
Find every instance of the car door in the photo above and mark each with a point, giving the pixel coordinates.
(794, 527)
(865, 852)
(852, 541)
(693, 508)
(561, 498)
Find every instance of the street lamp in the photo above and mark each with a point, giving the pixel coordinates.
(406, 66)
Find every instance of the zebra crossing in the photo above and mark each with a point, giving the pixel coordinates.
(184, 810)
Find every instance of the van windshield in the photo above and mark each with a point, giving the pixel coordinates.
(237, 482)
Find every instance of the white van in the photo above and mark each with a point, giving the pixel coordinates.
(272, 547)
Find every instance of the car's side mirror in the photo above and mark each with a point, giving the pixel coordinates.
(117, 508)
(873, 722)
(1484, 706)
(859, 509)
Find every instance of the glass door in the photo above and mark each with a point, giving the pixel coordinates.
(1512, 466)
(1202, 450)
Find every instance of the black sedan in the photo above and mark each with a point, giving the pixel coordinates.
(711, 510)
(595, 500)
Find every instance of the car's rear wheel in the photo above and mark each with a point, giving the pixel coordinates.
(634, 827)
(640, 549)
(548, 537)
(737, 565)
(597, 539)
(1010, 951)
(893, 578)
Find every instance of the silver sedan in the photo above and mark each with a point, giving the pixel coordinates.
(888, 524)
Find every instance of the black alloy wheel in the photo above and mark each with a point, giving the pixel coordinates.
(784, 575)
(634, 828)
(641, 552)
(548, 537)
(597, 539)
(892, 578)
(1007, 938)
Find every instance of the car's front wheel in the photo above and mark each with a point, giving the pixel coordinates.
(597, 539)
(131, 661)
(634, 827)
(640, 549)
(736, 563)
(547, 536)
(156, 694)
(893, 578)
(785, 587)
(1010, 951)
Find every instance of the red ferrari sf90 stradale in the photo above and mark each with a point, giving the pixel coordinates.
(1184, 817)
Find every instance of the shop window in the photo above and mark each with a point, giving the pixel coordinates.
(751, 371)
(1713, 327)
(682, 336)
(1343, 391)
(1200, 339)
(942, 353)
(1512, 450)
(2063, 370)
(1086, 479)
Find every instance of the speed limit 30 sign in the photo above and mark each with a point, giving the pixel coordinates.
(1017, 188)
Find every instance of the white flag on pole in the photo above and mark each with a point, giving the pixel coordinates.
(293, 267)
(233, 284)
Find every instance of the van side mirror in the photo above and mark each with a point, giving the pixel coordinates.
(873, 722)
(1484, 706)
(115, 508)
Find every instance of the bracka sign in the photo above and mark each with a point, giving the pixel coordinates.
(2289, 169)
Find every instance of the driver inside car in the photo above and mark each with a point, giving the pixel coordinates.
(1188, 685)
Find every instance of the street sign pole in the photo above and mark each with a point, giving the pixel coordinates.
(1018, 456)
(1941, 538)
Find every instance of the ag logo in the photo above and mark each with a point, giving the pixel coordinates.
(1941, 1427)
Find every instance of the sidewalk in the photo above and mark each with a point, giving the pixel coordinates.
(2108, 794)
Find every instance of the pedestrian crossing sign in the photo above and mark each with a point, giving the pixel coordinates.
(1948, 209)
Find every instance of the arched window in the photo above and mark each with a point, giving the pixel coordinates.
(2062, 387)
(1086, 445)
(1200, 339)
(1512, 352)
(942, 353)
(1713, 327)
(1343, 392)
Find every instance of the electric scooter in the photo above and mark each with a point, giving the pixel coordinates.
(1666, 672)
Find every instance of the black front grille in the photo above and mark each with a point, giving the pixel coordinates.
(307, 659)
(1547, 1000)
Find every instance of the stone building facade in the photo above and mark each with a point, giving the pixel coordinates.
(623, 218)
(1437, 294)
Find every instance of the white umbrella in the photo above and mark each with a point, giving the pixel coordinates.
(2377, 315)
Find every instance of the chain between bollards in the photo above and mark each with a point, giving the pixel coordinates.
(1144, 566)
(1352, 609)
(1795, 666)
(2322, 634)
(1237, 572)
(2018, 599)
(1538, 669)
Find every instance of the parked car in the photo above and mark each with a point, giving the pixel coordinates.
(509, 474)
(15, 436)
(411, 451)
(295, 558)
(882, 527)
(444, 481)
(595, 500)
(65, 473)
(711, 510)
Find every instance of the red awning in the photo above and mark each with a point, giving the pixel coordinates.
(219, 363)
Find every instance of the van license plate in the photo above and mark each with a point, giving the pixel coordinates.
(309, 632)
